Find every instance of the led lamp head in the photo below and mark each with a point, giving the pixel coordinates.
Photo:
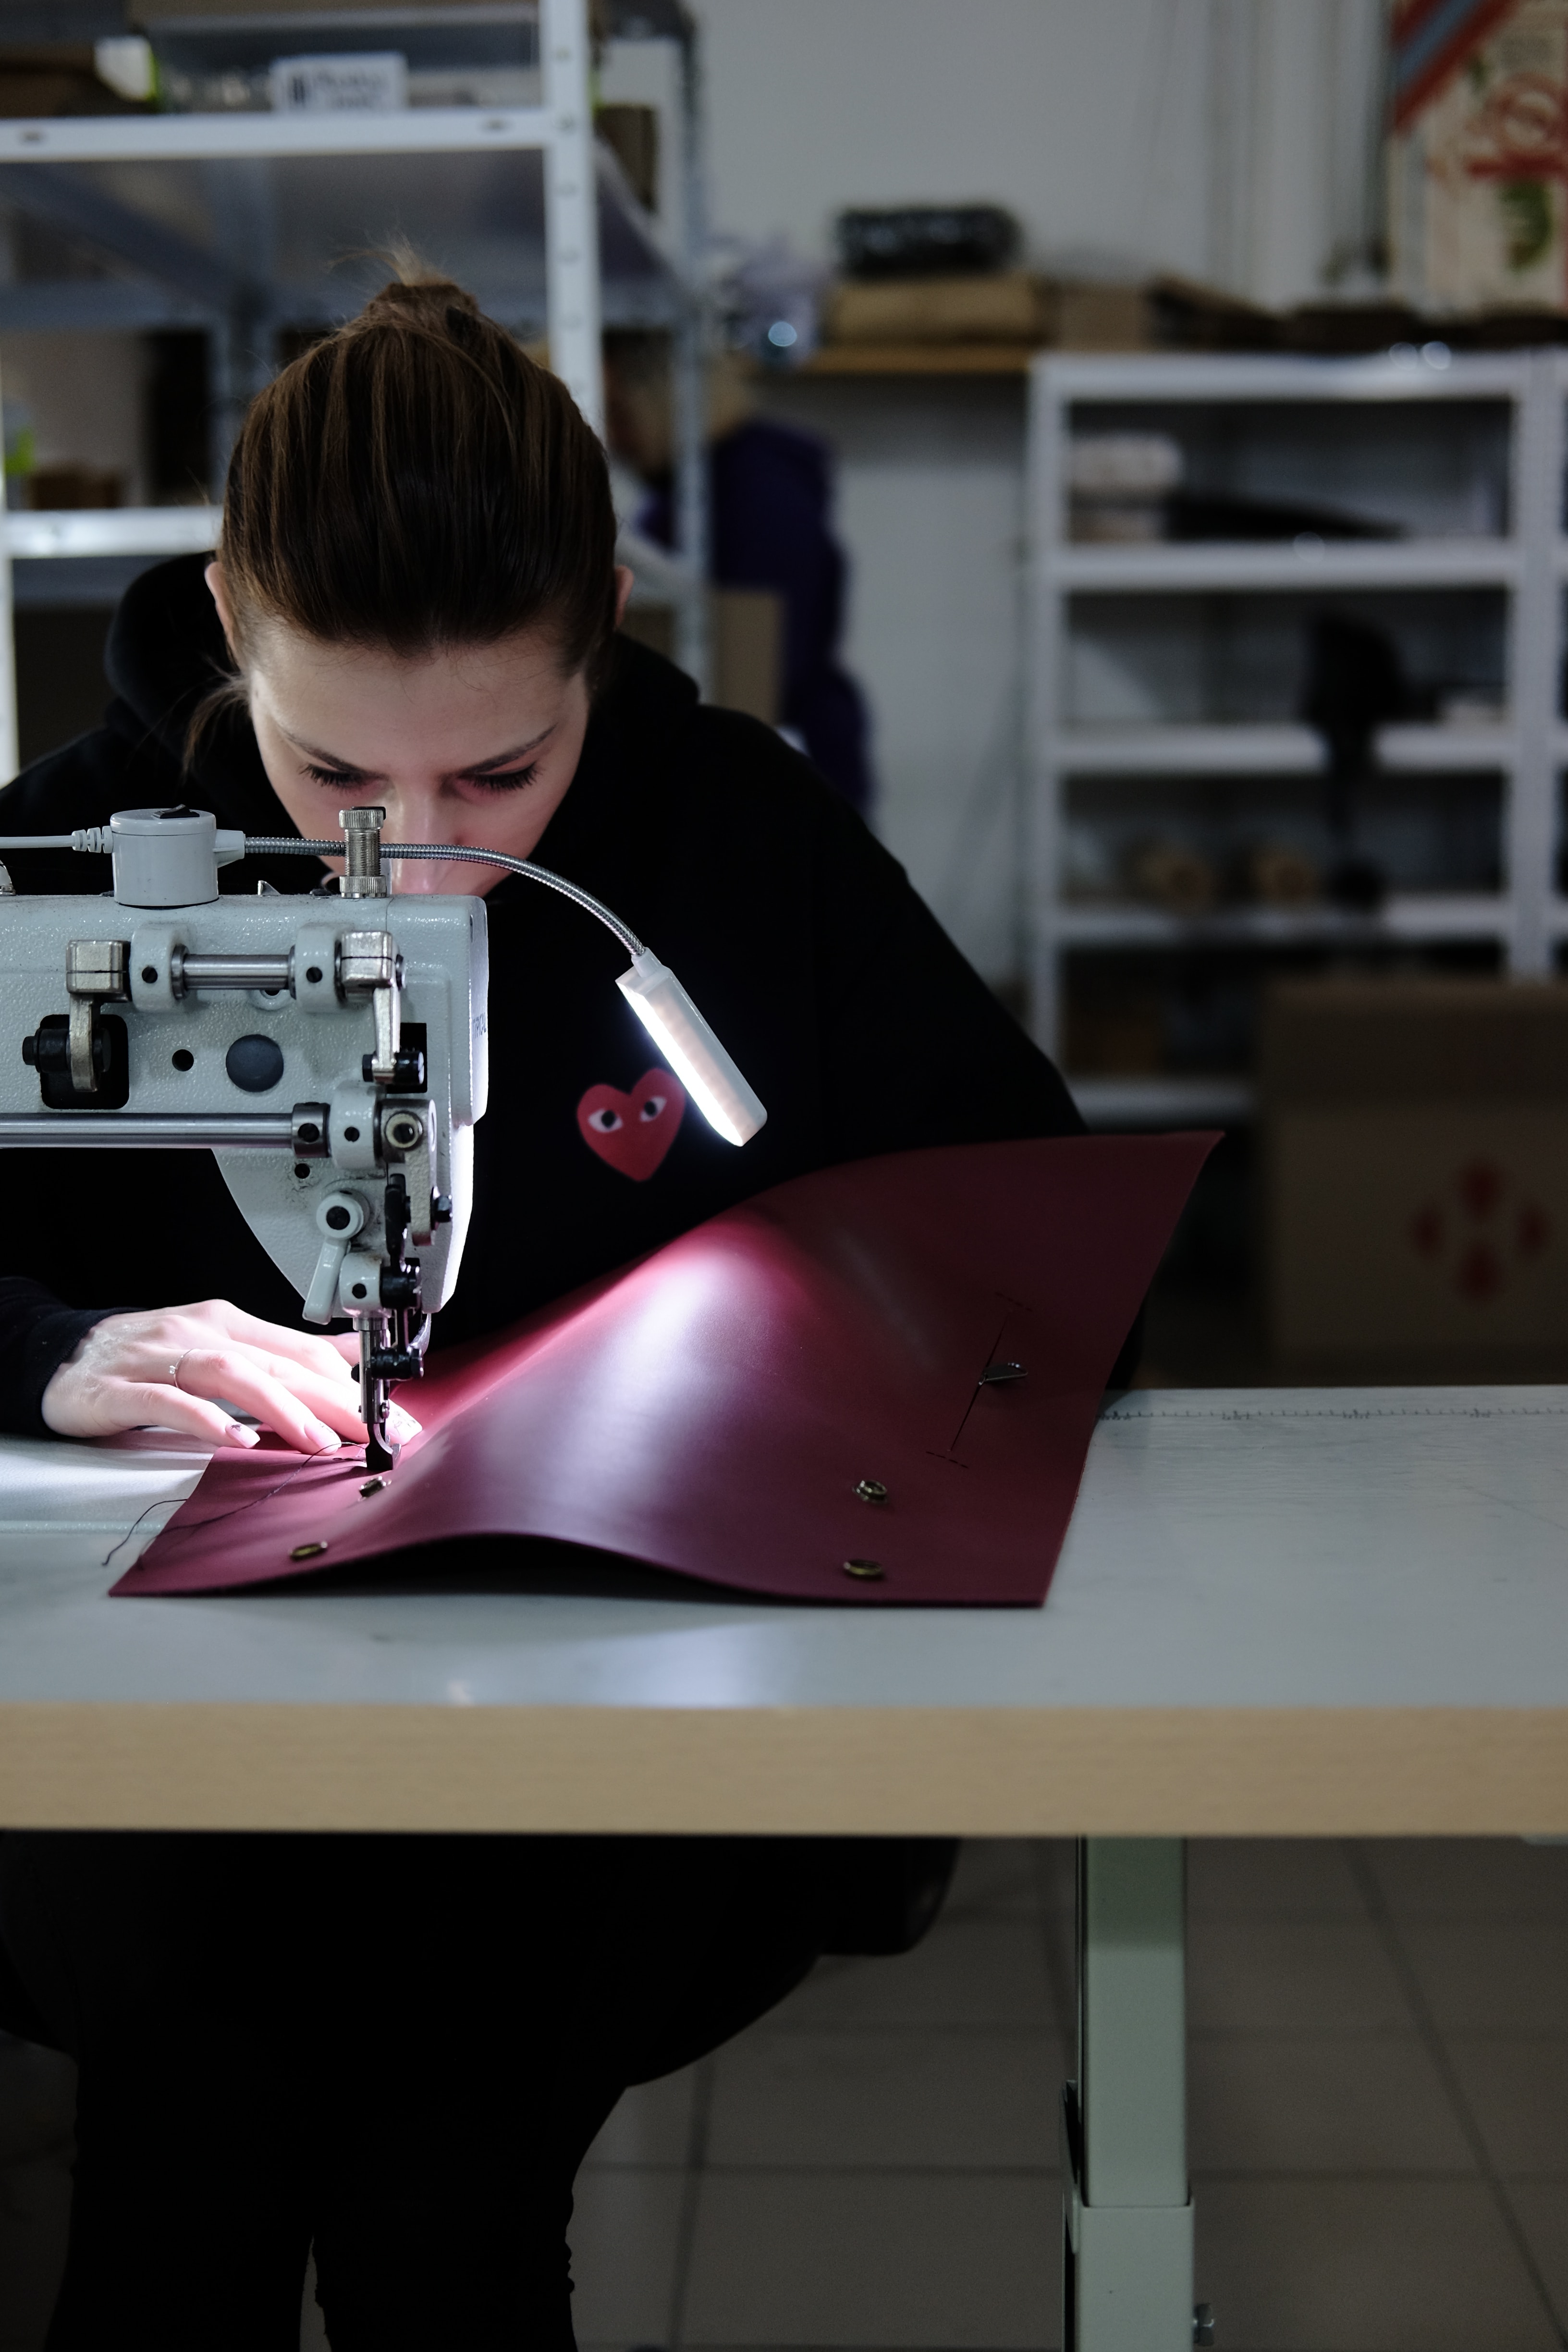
(690, 1048)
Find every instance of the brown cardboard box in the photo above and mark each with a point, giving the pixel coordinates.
(745, 648)
(1096, 318)
(1007, 306)
(1415, 1138)
(1165, 314)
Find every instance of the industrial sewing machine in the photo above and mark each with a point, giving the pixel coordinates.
(329, 1049)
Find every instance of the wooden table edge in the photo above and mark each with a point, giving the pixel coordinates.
(1000, 1771)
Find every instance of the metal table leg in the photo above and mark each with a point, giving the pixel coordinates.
(1128, 2211)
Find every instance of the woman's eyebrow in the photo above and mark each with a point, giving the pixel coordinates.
(504, 758)
(326, 759)
(367, 775)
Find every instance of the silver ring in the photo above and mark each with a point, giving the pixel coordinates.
(174, 1370)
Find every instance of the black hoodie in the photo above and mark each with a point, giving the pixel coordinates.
(853, 1015)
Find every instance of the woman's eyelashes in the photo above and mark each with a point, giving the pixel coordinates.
(505, 780)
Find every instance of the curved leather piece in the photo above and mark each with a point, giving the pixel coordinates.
(712, 1409)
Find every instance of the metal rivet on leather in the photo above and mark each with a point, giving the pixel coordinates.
(872, 1490)
(307, 1551)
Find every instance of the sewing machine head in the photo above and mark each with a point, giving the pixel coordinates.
(328, 1049)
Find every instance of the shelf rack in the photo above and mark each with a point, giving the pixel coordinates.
(1528, 564)
(235, 223)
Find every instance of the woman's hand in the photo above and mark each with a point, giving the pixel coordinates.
(160, 1371)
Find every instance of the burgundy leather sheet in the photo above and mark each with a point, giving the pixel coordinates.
(713, 1408)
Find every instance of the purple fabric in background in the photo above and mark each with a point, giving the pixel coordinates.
(770, 490)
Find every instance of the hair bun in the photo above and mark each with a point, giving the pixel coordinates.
(425, 299)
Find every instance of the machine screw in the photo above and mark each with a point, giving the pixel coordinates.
(404, 1130)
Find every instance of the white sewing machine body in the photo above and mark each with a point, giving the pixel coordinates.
(180, 1058)
(328, 1049)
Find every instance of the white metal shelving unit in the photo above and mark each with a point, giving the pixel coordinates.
(233, 221)
(1528, 564)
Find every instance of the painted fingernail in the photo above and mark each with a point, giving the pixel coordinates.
(238, 1434)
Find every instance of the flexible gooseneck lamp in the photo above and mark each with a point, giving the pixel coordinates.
(708, 1074)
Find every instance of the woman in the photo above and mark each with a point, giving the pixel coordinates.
(398, 2049)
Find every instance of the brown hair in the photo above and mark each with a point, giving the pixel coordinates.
(415, 482)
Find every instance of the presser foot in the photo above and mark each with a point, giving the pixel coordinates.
(381, 1452)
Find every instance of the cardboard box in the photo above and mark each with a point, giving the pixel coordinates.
(1415, 1159)
(746, 645)
(1007, 306)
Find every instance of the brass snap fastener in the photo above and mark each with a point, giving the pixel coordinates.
(872, 1490)
(869, 1571)
(307, 1550)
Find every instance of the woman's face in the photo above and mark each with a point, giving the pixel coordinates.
(476, 746)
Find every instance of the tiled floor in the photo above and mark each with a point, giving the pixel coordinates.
(1379, 2125)
(1379, 2121)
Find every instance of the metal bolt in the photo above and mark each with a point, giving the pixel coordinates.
(307, 1550)
(872, 1490)
(869, 1571)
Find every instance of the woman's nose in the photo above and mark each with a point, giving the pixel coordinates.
(415, 814)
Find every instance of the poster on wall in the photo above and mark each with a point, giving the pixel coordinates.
(1478, 153)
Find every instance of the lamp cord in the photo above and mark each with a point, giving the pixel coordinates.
(457, 853)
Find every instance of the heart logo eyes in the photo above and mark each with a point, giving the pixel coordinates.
(607, 1120)
(632, 1132)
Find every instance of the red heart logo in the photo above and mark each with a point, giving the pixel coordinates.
(631, 1133)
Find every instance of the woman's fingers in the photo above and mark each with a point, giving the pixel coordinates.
(132, 1404)
(179, 1368)
(332, 1398)
(325, 1391)
(310, 1349)
(235, 1375)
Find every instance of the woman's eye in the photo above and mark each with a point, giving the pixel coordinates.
(331, 776)
(507, 780)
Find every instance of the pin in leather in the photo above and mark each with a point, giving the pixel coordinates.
(873, 1385)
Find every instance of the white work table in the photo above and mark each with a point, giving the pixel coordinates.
(1277, 1610)
(1313, 1610)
